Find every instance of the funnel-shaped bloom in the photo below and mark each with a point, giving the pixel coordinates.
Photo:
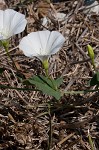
(41, 44)
(11, 23)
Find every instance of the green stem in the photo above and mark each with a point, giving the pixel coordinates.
(78, 92)
(46, 67)
(6, 47)
(46, 72)
(15, 88)
(7, 52)
(54, 87)
(94, 66)
(63, 92)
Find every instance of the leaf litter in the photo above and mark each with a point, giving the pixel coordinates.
(24, 121)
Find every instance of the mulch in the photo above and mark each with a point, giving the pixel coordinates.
(24, 115)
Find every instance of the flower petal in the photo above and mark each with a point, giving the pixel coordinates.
(55, 42)
(43, 39)
(30, 45)
(11, 22)
(18, 23)
(1, 21)
(7, 19)
(26, 46)
(41, 44)
(37, 43)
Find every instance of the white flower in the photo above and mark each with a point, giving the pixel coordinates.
(11, 23)
(42, 44)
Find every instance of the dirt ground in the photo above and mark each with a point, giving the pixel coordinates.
(24, 115)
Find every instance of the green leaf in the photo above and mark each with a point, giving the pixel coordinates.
(95, 79)
(59, 81)
(2, 70)
(97, 73)
(51, 82)
(46, 85)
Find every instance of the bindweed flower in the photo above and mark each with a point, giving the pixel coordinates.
(41, 44)
(11, 23)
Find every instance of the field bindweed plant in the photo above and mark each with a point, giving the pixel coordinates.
(43, 44)
(40, 44)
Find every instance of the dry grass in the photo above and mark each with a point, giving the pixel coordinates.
(24, 123)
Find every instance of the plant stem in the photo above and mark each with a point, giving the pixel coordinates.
(21, 89)
(6, 47)
(63, 92)
(46, 67)
(78, 92)
(47, 75)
